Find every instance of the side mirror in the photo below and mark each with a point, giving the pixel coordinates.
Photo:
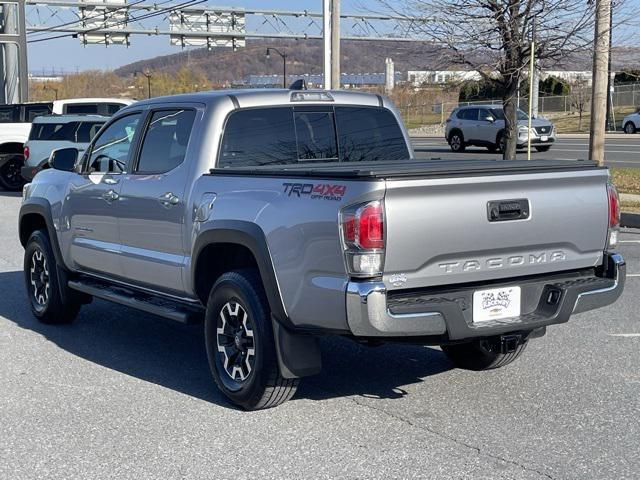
(490, 119)
(64, 159)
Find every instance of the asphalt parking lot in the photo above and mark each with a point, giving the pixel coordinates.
(621, 150)
(120, 394)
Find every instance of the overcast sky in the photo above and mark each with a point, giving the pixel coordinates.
(67, 54)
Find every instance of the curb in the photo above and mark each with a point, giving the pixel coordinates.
(630, 220)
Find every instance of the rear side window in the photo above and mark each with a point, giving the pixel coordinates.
(369, 134)
(45, 131)
(87, 130)
(112, 108)
(165, 142)
(261, 136)
(468, 114)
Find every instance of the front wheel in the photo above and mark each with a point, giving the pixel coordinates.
(240, 343)
(484, 354)
(630, 128)
(10, 176)
(51, 302)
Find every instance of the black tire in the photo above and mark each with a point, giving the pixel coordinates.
(492, 148)
(10, 176)
(544, 148)
(456, 142)
(630, 128)
(49, 303)
(481, 354)
(501, 143)
(251, 380)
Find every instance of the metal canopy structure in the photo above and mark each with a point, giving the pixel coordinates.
(113, 22)
(13, 52)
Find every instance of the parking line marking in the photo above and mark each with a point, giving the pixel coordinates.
(633, 274)
(624, 334)
(629, 241)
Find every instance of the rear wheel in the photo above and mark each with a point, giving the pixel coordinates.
(484, 354)
(630, 128)
(10, 177)
(501, 143)
(456, 142)
(544, 148)
(50, 301)
(240, 343)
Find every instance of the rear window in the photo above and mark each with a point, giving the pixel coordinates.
(33, 111)
(369, 134)
(9, 114)
(87, 108)
(284, 135)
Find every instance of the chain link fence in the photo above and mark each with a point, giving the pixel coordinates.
(623, 98)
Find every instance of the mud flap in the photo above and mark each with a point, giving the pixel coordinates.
(298, 355)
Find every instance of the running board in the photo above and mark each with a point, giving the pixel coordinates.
(165, 307)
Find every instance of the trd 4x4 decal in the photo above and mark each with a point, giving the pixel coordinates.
(322, 191)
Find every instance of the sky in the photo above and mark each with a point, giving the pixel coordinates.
(69, 55)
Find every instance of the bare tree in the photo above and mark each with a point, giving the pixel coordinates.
(580, 99)
(493, 37)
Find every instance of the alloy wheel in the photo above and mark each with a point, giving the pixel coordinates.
(235, 341)
(40, 280)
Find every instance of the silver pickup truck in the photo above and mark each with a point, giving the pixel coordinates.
(277, 217)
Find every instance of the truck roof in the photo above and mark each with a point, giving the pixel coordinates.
(265, 97)
(70, 118)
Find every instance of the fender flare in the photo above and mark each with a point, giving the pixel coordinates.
(41, 207)
(298, 354)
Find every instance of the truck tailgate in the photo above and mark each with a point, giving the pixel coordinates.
(440, 230)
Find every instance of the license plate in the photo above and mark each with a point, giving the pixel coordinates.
(544, 138)
(496, 303)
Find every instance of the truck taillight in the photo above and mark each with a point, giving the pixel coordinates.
(26, 153)
(362, 228)
(614, 215)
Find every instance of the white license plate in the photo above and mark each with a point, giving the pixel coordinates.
(496, 303)
(544, 138)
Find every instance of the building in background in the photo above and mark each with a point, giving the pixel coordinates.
(347, 80)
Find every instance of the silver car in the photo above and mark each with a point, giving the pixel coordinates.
(51, 132)
(483, 126)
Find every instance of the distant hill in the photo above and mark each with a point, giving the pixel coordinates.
(222, 66)
(305, 56)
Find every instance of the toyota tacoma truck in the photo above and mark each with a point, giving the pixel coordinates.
(278, 217)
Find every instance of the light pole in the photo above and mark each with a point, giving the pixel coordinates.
(55, 90)
(284, 64)
(148, 75)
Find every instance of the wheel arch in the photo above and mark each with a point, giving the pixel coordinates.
(298, 354)
(11, 147)
(233, 240)
(456, 130)
(36, 214)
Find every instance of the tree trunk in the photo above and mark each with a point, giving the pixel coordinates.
(510, 106)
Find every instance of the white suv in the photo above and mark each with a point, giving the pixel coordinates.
(631, 123)
(483, 126)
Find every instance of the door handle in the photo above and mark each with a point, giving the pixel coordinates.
(110, 196)
(111, 181)
(169, 199)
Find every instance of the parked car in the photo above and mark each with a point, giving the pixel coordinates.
(276, 217)
(15, 124)
(483, 126)
(631, 123)
(52, 132)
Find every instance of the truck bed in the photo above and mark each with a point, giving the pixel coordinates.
(410, 168)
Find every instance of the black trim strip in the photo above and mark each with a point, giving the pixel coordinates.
(234, 99)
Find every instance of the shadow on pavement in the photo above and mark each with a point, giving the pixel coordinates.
(172, 355)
